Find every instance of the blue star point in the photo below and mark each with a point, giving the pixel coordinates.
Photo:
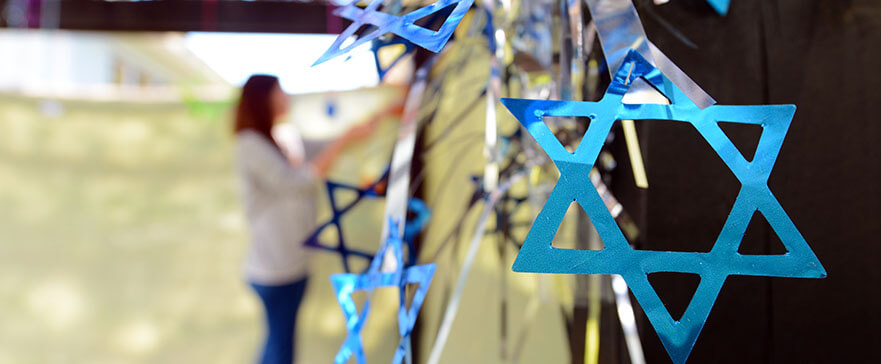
(538, 255)
(720, 6)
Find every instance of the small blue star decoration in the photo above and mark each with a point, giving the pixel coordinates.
(420, 212)
(539, 256)
(336, 220)
(403, 26)
(344, 284)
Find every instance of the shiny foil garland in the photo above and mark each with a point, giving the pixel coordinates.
(378, 275)
(382, 272)
(624, 43)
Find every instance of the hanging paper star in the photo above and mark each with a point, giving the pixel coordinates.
(538, 255)
(415, 225)
(336, 220)
(344, 284)
(403, 26)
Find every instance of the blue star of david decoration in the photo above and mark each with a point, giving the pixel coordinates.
(403, 26)
(412, 228)
(338, 212)
(539, 256)
(344, 284)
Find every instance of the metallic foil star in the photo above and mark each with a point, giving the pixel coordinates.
(336, 220)
(404, 26)
(538, 255)
(345, 284)
(421, 215)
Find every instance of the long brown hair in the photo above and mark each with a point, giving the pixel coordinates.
(254, 111)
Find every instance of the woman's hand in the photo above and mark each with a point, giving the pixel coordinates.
(324, 160)
(361, 131)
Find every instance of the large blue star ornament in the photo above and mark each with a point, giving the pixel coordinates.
(404, 26)
(539, 256)
(381, 274)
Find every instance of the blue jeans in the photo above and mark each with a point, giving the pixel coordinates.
(281, 304)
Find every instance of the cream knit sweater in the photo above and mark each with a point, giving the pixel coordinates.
(279, 203)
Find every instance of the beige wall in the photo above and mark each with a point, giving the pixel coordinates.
(121, 237)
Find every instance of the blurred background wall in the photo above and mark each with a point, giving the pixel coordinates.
(122, 231)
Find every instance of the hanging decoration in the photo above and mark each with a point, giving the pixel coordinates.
(645, 85)
(378, 276)
(404, 26)
(412, 228)
(337, 211)
(381, 272)
(539, 256)
(395, 180)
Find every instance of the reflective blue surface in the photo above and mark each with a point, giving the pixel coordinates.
(538, 255)
(721, 6)
(403, 26)
(345, 284)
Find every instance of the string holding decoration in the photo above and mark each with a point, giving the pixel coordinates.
(539, 256)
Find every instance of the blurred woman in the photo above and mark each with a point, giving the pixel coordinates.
(279, 197)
